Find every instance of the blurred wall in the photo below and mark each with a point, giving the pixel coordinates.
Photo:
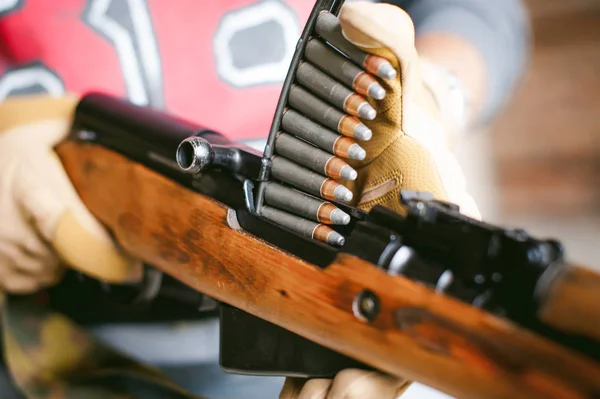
(544, 149)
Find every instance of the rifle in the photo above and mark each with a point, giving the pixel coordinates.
(471, 309)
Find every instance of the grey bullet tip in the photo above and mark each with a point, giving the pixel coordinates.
(386, 71)
(362, 132)
(376, 91)
(366, 111)
(356, 152)
(341, 193)
(339, 217)
(348, 173)
(335, 238)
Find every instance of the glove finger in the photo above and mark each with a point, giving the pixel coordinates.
(42, 185)
(374, 26)
(19, 112)
(100, 259)
(26, 262)
(292, 388)
(388, 31)
(33, 244)
(360, 384)
(61, 218)
(316, 388)
(46, 269)
(25, 241)
(13, 282)
(20, 284)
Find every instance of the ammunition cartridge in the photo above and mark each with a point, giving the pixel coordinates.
(309, 181)
(315, 108)
(313, 158)
(341, 68)
(300, 126)
(303, 227)
(304, 205)
(346, 148)
(328, 27)
(337, 94)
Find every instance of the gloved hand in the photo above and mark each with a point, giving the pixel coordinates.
(43, 223)
(348, 384)
(410, 147)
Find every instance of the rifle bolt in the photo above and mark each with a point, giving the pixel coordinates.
(194, 154)
(366, 306)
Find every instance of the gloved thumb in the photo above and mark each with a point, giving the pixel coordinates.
(388, 31)
(52, 204)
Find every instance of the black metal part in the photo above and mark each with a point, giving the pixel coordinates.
(250, 345)
(366, 306)
(483, 258)
(98, 303)
(235, 160)
(369, 241)
(151, 137)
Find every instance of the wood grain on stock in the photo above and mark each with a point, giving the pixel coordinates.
(571, 302)
(419, 335)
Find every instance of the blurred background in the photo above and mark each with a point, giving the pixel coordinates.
(538, 166)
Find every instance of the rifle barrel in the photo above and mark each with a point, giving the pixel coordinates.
(569, 299)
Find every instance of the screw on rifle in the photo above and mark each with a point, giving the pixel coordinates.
(366, 306)
(86, 135)
(534, 255)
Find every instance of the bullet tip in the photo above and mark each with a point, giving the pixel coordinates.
(386, 71)
(366, 111)
(348, 173)
(362, 132)
(335, 238)
(356, 152)
(339, 217)
(341, 193)
(376, 91)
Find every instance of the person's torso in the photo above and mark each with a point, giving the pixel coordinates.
(219, 63)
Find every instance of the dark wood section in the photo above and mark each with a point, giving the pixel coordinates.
(548, 140)
(417, 334)
(566, 301)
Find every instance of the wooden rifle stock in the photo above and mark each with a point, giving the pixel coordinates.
(569, 299)
(417, 333)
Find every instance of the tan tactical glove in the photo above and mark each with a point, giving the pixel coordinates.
(410, 144)
(43, 223)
